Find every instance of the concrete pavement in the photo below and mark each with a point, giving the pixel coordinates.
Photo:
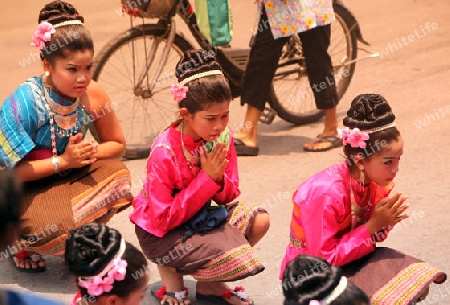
(413, 75)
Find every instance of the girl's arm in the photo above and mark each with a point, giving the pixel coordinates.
(319, 220)
(112, 141)
(166, 207)
(230, 185)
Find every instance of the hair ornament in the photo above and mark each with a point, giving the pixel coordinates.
(68, 22)
(340, 288)
(178, 91)
(200, 75)
(45, 30)
(380, 128)
(43, 33)
(314, 302)
(103, 282)
(354, 137)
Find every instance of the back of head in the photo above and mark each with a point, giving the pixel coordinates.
(201, 73)
(308, 278)
(371, 114)
(10, 199)
(90, 252)
(70, 33)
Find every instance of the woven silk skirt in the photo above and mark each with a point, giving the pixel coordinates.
(55, 205)
(221, 255)
(390, 277)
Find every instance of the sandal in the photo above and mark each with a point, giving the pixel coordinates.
(333, 140)
(181, 296)
(244, 150)
(237, 292)
(23, 255)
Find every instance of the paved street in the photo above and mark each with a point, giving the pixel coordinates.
(413, 74)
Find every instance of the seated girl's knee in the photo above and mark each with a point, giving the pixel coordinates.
(262, 221)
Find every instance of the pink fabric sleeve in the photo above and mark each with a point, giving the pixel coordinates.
(320, 225)
(230, 189)
(166, 211)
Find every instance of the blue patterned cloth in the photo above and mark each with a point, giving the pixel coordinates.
(20, 298)
(25, 123)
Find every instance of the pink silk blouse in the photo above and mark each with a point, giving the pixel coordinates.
(171, 193)
(321, 219)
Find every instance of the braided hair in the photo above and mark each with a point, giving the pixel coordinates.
(308, 278)
(367, 112)
(205, 90)
(73, 37)
(92, 246)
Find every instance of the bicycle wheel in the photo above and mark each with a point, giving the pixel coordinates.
(143, 110)
(291, 95)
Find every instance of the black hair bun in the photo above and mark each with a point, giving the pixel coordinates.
(368, 111)
(90, 248)
(196, 61)
(309, 278)
(59, 11)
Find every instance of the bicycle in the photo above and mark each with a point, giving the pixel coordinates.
(136, 68)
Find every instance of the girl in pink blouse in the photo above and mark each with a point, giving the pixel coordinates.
(343, 211)
(192, 164)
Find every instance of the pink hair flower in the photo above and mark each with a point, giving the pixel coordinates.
(314, 302)
(178, 92)
(354, 137)
(120, 269)
(42, 34)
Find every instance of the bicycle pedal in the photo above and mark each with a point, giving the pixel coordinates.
(267, 115)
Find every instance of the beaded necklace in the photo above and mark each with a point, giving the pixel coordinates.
(65, 117)
(192, 161)
(52, 123)
(360, 212)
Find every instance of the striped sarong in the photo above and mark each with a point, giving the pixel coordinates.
(390, 277)
(55, 205)
(221, 255)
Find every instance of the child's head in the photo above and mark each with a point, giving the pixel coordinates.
(95, 253)
(204, 107)
(371, 140)
(10, 199)
(69, 35)
(310, 280)
(66, 47)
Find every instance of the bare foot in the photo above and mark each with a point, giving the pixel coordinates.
(173, 289)
(325, 141)
(31, 261)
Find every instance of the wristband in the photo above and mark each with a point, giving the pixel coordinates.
(55, 162)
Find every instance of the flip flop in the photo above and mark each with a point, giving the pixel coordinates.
(333, 140)
(159, 292)
(244, 150)
(30, 270)
(222, 299)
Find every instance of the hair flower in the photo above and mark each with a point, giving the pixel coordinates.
(120, 269)
(355, 137)
(314, 302)
(178, 91)
(42, 34)
(102, 282)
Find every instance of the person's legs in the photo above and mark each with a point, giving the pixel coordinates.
(315, 43)
(259, 228)
(173, 282)
(258, 76)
